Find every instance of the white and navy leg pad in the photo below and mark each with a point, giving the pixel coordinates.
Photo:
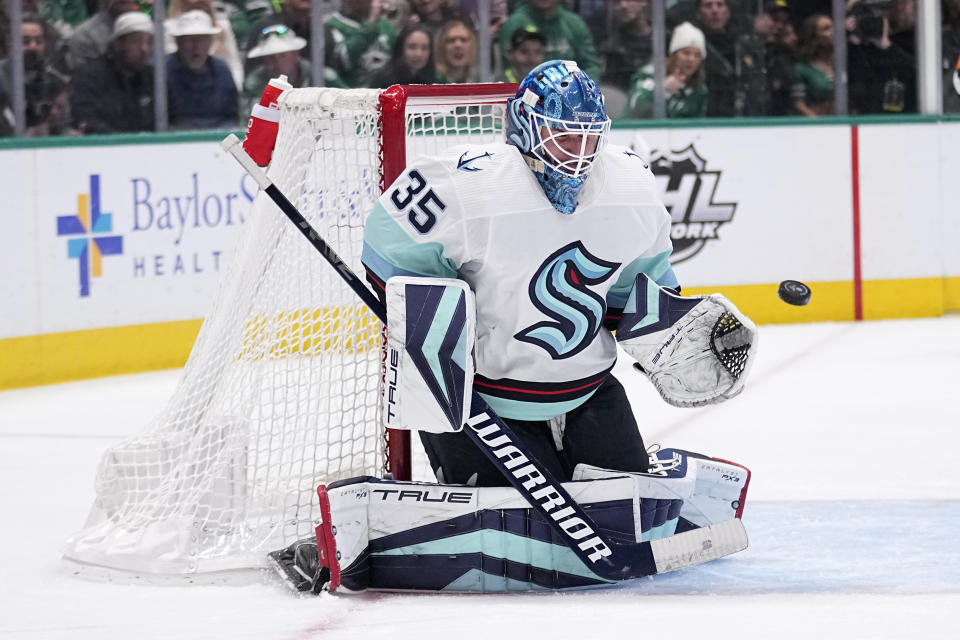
(429, 537)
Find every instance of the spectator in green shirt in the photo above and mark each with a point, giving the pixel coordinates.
(811, 82)
(568, 37)
(685, 84)
(362, 38)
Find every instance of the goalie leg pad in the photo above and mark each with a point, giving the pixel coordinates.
(402, 536)
(696, 350)
(713, 490)
(430, 337)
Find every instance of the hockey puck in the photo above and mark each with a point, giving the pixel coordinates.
(794, 292)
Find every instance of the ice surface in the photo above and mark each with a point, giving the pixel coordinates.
(850, 429)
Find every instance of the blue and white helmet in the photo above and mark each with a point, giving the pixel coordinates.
(558, 122)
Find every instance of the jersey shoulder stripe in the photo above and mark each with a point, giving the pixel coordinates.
(389, 251)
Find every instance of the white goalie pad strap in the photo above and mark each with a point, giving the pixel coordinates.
(696, 350)
(431, 326)
(661, 498)
(712, 490)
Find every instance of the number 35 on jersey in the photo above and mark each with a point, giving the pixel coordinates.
(418, 200)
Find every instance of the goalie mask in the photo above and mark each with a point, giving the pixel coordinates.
(558, 123)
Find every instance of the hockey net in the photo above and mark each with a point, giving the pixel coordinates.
(281, 390)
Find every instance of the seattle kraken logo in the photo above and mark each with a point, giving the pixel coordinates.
(559, 289)
(466, 164)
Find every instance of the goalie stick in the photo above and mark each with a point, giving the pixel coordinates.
(608, 559)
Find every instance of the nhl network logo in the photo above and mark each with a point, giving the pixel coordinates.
(688, 189)
(89, 235)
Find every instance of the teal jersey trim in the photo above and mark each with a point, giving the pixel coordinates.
(389, 251)
(520, 410)
(657, 268)
(500, 544)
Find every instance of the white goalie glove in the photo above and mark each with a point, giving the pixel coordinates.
(696, 350)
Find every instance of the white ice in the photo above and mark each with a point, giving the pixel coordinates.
(851, 431)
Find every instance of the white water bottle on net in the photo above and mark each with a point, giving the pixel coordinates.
(282, 389)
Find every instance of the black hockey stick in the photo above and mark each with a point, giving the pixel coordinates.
(609, 560)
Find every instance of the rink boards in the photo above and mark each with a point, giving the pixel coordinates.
(115, 245)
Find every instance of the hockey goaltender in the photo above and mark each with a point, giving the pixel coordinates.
(509, 273)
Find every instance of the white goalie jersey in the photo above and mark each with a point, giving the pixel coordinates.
(546, 284)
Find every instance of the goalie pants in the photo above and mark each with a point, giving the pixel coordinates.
(601, 432)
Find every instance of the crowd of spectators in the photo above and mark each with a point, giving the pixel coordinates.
(88, 64)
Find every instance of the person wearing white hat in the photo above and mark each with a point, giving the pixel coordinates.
(194, 31)
(685, 82)
(202, 92)
(114, 92)
(224, 45)
(279, 53)
(92, 36)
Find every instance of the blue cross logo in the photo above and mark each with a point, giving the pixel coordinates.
(90, 223)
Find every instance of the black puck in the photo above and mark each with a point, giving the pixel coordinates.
(794, 292)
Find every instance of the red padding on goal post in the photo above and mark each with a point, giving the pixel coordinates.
(326, 543)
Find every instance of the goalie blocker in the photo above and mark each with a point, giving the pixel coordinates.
(404, 536)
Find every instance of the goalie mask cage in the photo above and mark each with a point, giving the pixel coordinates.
(281, 390)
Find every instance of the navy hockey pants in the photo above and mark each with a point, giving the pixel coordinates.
(600, 432)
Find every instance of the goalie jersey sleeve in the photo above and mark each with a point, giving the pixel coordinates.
(545, 283)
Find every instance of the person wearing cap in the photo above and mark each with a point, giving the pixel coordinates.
(685, 84)
(528, 49)
(114, 92)
(278, 53)
(201, 88)
(629, 45)
(568, 36)
(770, 22)
(92, 37)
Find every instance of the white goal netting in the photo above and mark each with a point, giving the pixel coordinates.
(281, 390)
